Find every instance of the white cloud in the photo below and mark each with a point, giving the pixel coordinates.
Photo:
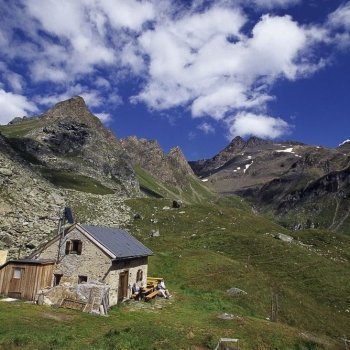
(212, 67)
(13, 105)
(104, 117)
(16, 81)
(275, 44)
(206, 128)
(214, 60)
(90, 36)
(131, 57)
(42, 70)
(129, 14)
(264, 126)
(102, 83)
(339, 22)
(270, 4)
(341, 16)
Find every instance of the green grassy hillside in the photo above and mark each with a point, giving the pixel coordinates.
(69, 180)
(21, 129)
(195, 191)
(204, 250)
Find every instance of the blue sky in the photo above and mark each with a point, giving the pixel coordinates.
(188, 73)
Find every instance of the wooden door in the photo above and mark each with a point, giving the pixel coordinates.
(123, 285)
(16, 281)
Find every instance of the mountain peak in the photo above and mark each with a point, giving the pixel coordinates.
(75, 102)
(237, 140)
(171, 168)
(178, 158)
(256, 141)
(68, 136)
(176, 151)
(235, 145)
(74, 108)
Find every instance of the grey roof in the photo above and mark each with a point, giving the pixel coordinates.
(33, 261)
(119, 242)
(30, 261)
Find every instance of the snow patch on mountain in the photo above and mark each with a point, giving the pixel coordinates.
(247, 166)
(344, 142)
(287, 150)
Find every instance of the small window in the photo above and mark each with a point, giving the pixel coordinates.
(82, 279)
(18, 272)
(139, 276)
(57, 279)
(74, 247)
(68, 247)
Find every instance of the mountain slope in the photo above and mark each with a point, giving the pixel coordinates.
(204, 250)
(271, 175)
(68, 139)
(64, 157)
(205, 253)
(164, 175)
(29, 205)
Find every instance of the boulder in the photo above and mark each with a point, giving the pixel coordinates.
(6, 238)
(283, 237)
(6, 172)
(177, 203)
(227, 316)
(236, 291)
(155, 233)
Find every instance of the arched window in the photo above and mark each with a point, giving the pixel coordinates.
(139, 275)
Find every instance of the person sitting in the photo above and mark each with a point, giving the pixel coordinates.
(136, 291)
(162, 290)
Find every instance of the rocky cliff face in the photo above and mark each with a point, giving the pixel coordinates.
(281, 177)
(43, 159)
(29, 205)
(169, 168)
(69, 138)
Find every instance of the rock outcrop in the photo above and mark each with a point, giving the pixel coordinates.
(283, 177)
(169, 168)
(29, 205)
(67, 143)
(68, 137)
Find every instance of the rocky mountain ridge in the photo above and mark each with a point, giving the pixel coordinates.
(285, 178)
(66, 157)
(171, 168)
(69, 138)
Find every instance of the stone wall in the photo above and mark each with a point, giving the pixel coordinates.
(131, 266)
(94, 264)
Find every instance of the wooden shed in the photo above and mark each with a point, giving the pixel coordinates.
(22, 279)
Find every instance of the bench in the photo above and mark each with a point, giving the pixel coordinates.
(146, 291)
(154, 280)
(151, 295)
(135, 296)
